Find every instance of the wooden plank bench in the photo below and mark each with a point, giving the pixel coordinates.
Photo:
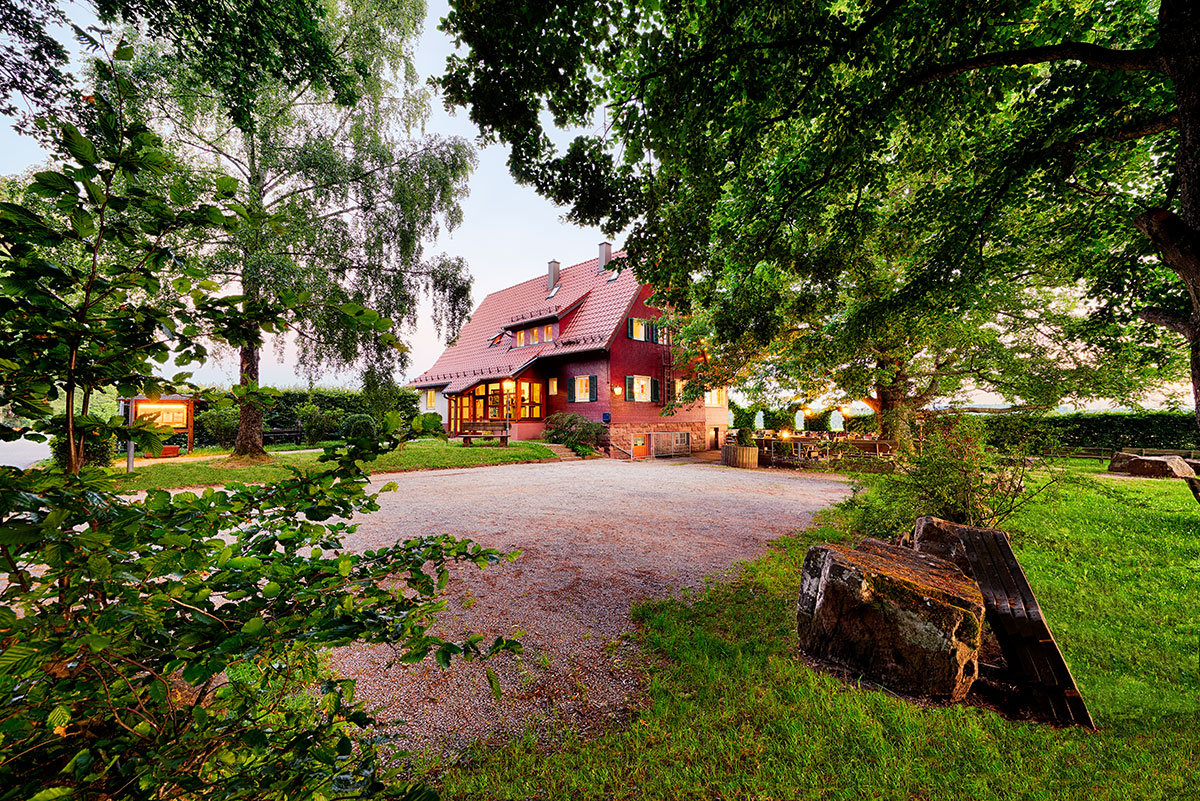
(485, 430)
(1016, 619)
(291, 434)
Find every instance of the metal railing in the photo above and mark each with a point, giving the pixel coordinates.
(662, 443)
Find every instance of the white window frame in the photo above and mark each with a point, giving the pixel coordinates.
(641, 389)
(584, 395)
(552, 388)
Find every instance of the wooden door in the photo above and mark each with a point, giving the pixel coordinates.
(641, 446)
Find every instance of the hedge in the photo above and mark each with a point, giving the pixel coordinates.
(1112, 430)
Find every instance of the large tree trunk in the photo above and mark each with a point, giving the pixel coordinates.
(249, 440)
(1177, 237)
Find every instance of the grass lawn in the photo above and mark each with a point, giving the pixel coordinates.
(734, 714)
(417, 455)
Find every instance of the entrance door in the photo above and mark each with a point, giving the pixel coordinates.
(641, 446)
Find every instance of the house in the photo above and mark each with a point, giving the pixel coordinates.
(580, 339)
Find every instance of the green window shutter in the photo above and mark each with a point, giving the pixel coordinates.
(571, 389)
(629, 327)
(655, 391)
(653, 333)
(628, 387)
(591, 387)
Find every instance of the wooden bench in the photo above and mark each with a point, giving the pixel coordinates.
(1016, 620)
(291, 434)
(486, 430)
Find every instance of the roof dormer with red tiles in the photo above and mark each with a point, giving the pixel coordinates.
(580, 339)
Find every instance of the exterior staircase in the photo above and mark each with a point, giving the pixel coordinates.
(563, 453)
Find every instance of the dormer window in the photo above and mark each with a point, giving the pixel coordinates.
(520, 339)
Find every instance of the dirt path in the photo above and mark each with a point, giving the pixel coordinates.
(596, 537)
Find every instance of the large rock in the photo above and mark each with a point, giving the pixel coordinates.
(1194, 464)
(1194, 485)
(907, 620)
(1159, 467)
(1120, 462)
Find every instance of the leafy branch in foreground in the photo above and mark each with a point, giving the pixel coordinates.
(167, 647)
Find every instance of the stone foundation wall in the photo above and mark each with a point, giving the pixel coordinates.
(619, 433)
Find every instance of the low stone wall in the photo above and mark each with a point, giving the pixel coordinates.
(619, 434)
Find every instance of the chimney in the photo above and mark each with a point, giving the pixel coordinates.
(551, 275)
(605, 256)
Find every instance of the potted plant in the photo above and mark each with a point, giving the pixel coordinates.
(742, 454)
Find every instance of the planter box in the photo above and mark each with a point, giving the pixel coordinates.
(739, 455)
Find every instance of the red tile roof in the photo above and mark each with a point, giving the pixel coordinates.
(602, 305)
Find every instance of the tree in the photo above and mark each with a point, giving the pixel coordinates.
(169, 646)
(730, 127)
(342, 202)
(234, 46)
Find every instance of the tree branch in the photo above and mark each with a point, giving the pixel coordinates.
(1090, 54)
(1185, 326)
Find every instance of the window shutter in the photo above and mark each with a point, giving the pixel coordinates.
(591, 387)
(653, 333)
(629, 327)
(655, 390)
(629, 388)
(571, 390)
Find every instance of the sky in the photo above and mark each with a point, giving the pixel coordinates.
(508, 233)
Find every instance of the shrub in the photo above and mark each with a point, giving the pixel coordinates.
(428, 425)
(316, 422)
(1113, 430)
(221, 424)
(745, 438)
(381, 395)
(954, 476)
(584, 450)
(570, 429)
(359, 425)
(98, 450)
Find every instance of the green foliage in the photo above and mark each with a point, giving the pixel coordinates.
(1114, 430)
(428, 424)
(381, 395)
(99, 449)
(862, 424)
(219, 423)
(953, 475)
(571, 429)
(317, 422)
(583, 450)
(359, 425)
(745, 437)
(160, 647)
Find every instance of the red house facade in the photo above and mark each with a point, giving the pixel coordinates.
(580, 339)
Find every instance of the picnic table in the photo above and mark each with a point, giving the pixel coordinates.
(497, 429)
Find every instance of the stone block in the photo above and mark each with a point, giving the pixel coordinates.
(1159, 467)
(1120, 462)
(940, 538)
(908, 620)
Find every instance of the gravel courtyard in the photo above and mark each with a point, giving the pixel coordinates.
(596, 536)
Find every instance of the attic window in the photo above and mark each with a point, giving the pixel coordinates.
(496, 340)
(554, 291)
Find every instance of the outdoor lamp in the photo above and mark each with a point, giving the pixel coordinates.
(785, 433)
(617, 389)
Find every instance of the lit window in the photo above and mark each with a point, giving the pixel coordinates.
(641, 388)
(429, 399)
(553, 386)
(679, 384)
(582, 389)
(533, 336)
(549, 333)
(520, 339)
(714, 397)
(496, 340)
(639, 329)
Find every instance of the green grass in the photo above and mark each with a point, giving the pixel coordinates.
(734, 714)
(418, 455)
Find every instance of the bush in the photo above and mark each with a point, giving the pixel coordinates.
(359, 425)
(428, 425)
(745, 438)
(98, 451)
(1113, 430)
(316, 422)
(221, 424)
(954, 476)
(584, 450)
(862, 424)
(381, 395)
(570, 429)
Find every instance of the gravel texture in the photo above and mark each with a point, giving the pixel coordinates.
(597, 536)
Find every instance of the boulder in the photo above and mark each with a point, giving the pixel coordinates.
(1159, 467)
(1194, 485)
(908, 620)
(1194, 464)
(1120, 462)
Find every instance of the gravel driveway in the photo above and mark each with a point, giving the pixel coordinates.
(596, 537)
